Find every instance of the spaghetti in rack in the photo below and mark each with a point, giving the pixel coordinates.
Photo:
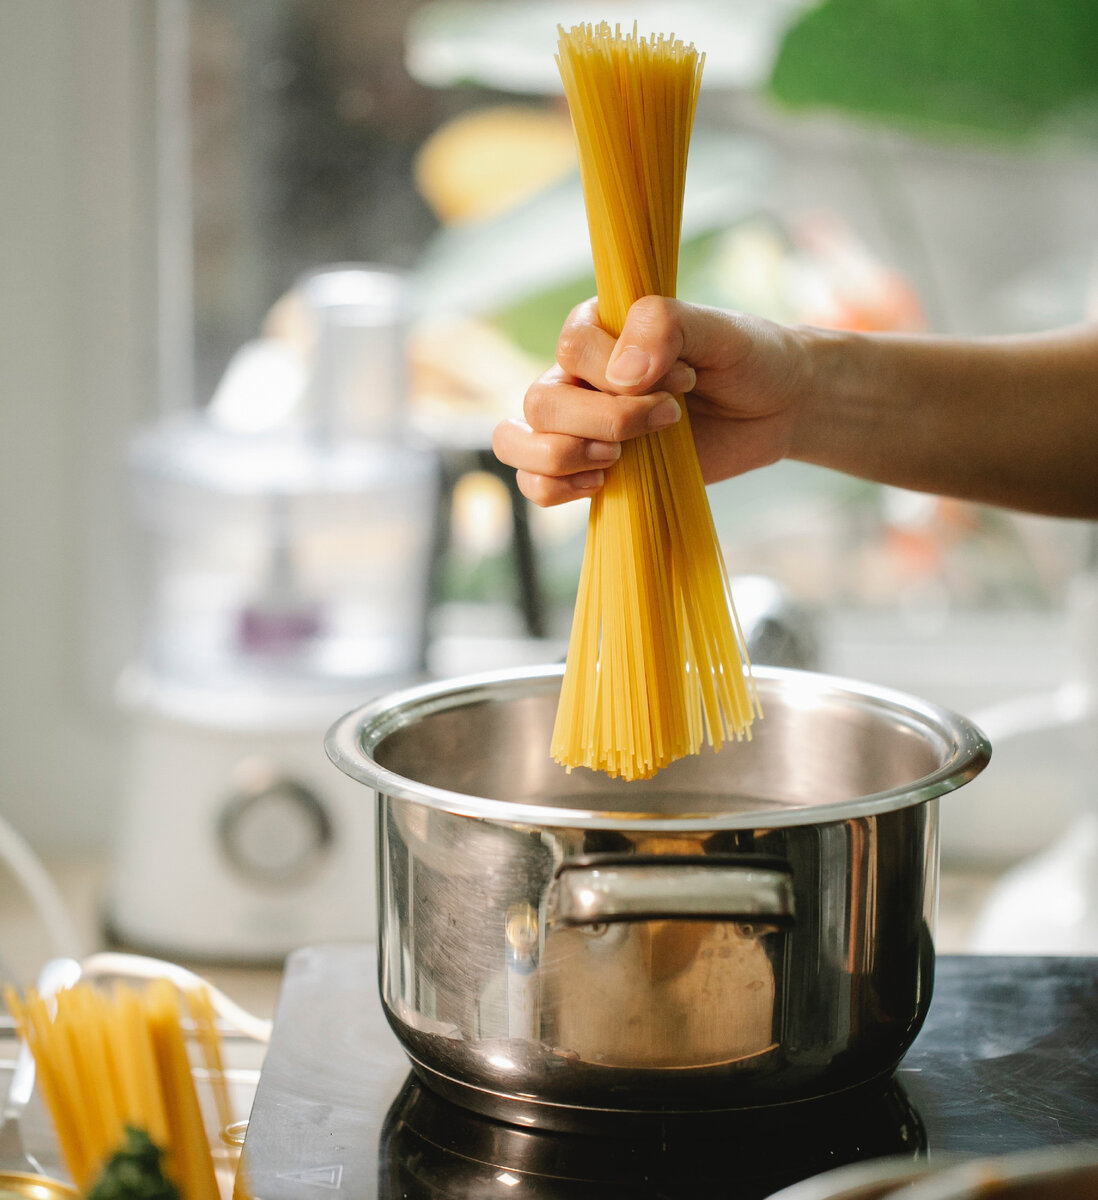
(106, 1064)
(656, 659)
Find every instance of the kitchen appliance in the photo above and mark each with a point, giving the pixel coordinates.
(1005, 1062)
(748, 928)
(289, 534)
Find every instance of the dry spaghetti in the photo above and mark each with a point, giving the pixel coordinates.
(106, 1063)
(656, 661)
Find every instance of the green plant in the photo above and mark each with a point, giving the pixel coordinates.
(1009, 69)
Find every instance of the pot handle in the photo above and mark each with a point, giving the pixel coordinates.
(659, 887)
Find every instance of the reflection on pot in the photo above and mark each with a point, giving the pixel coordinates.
(672, 1022)
(433, 1150)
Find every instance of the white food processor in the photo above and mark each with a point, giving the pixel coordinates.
(290, 530)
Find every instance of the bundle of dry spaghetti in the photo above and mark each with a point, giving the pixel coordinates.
(108, 1063)
(656, 659)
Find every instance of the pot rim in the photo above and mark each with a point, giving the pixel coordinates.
(351, 740)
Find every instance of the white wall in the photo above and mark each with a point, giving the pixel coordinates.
(77, 329)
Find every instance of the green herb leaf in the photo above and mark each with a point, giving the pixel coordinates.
(134, 1172)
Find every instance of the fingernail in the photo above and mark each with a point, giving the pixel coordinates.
(667, 412)
(628, 368)
(588, 481)
(680, 379)
(606, 452)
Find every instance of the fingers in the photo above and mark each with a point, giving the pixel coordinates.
(572, 433)
(517, 444)
(575, 421)
(651, 343)
(547, 491)
(552, 468)
(604, 391)
(584, 346)
(558, 403)
(643, 360)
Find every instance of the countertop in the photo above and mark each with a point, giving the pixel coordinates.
(1005, 1062)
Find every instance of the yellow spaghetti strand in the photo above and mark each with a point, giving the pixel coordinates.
(105, 1062)
(189, 1161)
(146, 1110)
(58, 1080)
(205, 1025)
(79, 1018)
(656, 660)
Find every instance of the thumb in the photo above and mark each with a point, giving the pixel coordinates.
(650, 342)
(660, 333)
(661, 336)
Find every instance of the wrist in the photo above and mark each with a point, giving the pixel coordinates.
(826, 387)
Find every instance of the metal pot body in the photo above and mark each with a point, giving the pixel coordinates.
(749, 928)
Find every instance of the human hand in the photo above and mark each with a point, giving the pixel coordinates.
(740, 376)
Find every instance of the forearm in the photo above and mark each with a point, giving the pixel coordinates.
(1010, 421)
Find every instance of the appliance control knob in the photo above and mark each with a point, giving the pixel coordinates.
(275, 830)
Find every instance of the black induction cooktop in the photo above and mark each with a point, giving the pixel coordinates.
(1007, 1060)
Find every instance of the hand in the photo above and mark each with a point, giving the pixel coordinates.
(740, 376)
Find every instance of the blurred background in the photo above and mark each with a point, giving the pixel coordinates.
(271, 270)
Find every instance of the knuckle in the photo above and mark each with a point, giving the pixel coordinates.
(617, 425)
(657, 316)
(557, 457)
(536, 404)
(499, 441)
(584, 313)
(571, 347)
(536, 488)
(625, 420)
(578, 339)
(508, 439)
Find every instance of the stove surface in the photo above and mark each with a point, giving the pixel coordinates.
(1007, 1059)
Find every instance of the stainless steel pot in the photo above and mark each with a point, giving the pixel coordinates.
(747, 928)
